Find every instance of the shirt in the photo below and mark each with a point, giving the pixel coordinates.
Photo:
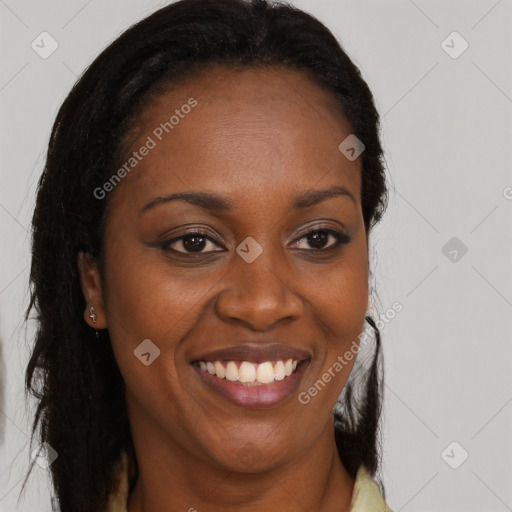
(366, 496)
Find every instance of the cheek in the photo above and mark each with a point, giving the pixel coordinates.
(148, 313)
(147, 299)
(340, 310)
(343, 300)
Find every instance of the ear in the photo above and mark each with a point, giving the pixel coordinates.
(92, 290)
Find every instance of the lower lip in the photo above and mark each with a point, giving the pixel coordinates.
(254, 396)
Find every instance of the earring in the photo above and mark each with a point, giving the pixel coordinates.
(92, 315)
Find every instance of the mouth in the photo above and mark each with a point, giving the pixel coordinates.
(252, 384)
(248, 373)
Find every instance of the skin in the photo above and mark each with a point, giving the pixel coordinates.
(257, 136)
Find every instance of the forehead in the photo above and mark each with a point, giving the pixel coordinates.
(240, 130)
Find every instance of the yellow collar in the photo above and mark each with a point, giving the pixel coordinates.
(366, 496)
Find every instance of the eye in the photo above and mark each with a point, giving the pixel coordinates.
(318, 239)
(193, 242)
(197, 242)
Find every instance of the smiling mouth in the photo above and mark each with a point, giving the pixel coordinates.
(247, 373)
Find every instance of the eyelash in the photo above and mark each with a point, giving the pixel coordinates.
(340, 239)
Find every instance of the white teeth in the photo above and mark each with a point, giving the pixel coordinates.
(246, 372)
(279, 371)
(263, 373)
(288, 367)
(220, 370)
(231, 371)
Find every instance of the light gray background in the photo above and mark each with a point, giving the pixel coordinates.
(447, 133)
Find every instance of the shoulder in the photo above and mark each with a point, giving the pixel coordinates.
(366, 496)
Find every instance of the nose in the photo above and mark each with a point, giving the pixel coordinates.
(258, 294)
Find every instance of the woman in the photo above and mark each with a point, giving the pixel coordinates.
(200, 270)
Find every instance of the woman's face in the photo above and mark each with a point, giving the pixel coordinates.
(254, 149)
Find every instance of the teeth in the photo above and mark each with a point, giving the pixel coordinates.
(288, 367)
(279, 371)
(246, 372)
(231, 371)
(263, 373)
(210, 368)
(220, 370)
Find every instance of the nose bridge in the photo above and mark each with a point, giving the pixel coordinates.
(262, 276)
(256, 289)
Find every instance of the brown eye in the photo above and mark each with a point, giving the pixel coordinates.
(318, 239)
(190, 243)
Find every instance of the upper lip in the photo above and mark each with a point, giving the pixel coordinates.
(255, 353)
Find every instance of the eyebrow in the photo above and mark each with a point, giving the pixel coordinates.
(218, 203)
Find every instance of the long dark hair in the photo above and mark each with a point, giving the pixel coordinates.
(81, 412)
